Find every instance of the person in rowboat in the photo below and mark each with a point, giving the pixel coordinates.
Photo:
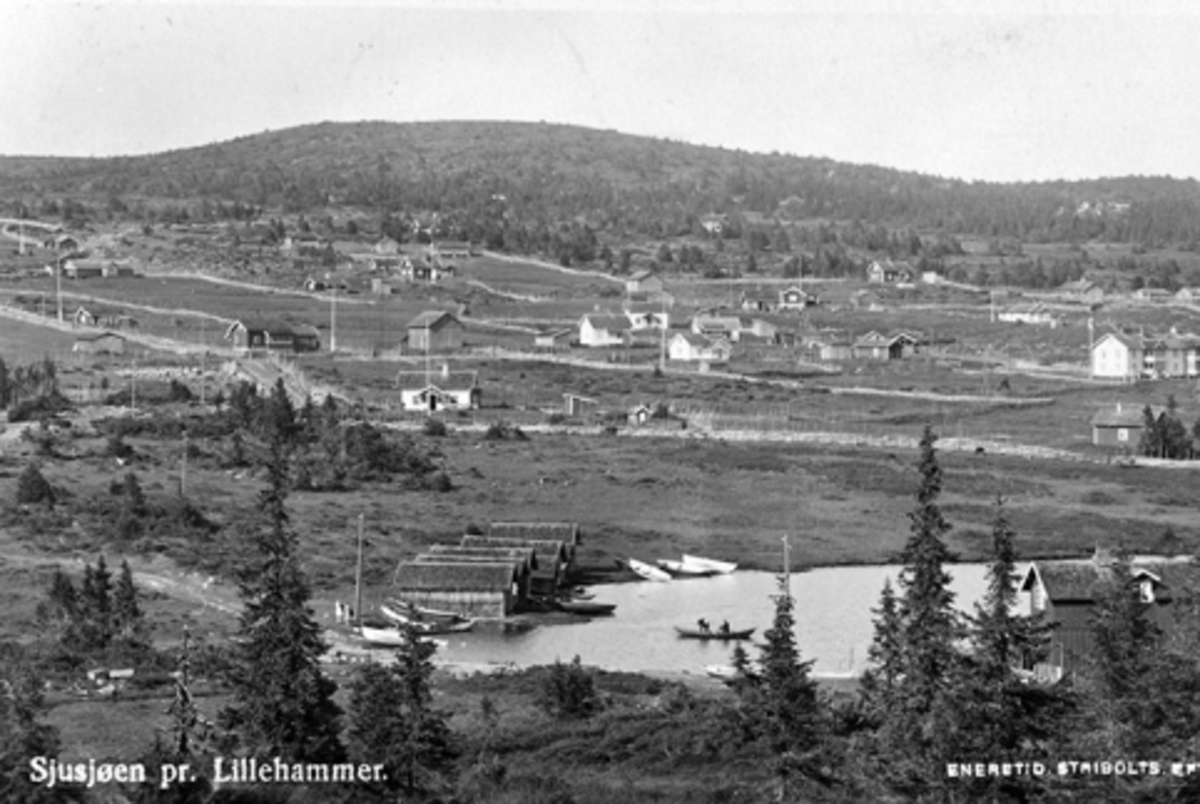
(703, 624)
(725, 627)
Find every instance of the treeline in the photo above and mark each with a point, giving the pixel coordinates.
(497, 183)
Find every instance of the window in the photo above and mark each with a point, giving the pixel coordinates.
(1122, 434)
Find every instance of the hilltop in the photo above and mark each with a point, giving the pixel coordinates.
(488, 173)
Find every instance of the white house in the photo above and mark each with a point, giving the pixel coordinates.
(794, 298)
(444, 390)
(688, 346)
(1029, 313)
(1118, 356)
(603, 329)
(890, 272)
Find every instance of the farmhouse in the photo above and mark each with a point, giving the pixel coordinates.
(1065, 592)
(1190, 295)
(449, 250)
(106, 343)
(471, 589)
(717, 326)
(646, 316)
(1118, 426)
(714, 224)
(273, 335)
(603, 329)
(448, 390)
(104, 317)
(688, 346)
(1029, 313)
(794, 298)
(758, 303)
(1152, 295)
(644, 282)
(1084, 290)
(435, 330)
(890, 272)
(553, 339)
(386, 246)
(96, 268)
(874, 346)
(1172, 355)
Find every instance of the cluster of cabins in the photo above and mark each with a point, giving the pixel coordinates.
(492, 575)
(428, 264)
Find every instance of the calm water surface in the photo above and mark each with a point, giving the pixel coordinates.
(833, 621)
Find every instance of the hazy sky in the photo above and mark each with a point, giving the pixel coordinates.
(1001, 90)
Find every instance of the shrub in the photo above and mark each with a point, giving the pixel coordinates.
(39, 408)
(434, 427)
(33, 488)
(569, 691)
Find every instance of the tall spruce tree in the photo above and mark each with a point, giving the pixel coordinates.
(129, 624)
(22, 734)
(916, 738)
(885, 655)
(788, 705)
(283, 704)
(1007, 716)
(393, 720)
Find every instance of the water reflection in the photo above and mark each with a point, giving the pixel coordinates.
(833, 621)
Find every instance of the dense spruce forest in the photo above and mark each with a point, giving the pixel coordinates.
(512, 185)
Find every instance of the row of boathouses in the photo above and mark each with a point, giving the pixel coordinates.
(494, 574)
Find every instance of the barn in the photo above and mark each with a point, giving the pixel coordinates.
(473, 589)
(434, 331)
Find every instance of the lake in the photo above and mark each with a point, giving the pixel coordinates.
(833, 621)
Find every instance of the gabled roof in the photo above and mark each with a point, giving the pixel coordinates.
(456, 577)
(567, 532)
(1131, 342)
(520, 555)
(610, 322)
(691, 339)
(642, 275)
(549, 550)
(430, 319)
(421, 380)
(275, 328)
(1077, 286)
(1120, 416)
(1081, 580)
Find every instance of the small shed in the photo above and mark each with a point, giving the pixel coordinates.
(1119, 426)
(554, 338)
(106, 343)
(471, 589)
(435, 331)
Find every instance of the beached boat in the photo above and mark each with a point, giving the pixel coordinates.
(588, 607)
(390, 637)
(681, 570)
(696, 633)
(400, 611)
(719, 567)
(727, 672)
(423, 627)
(648, 571)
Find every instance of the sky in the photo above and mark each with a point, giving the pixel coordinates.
(996, 90)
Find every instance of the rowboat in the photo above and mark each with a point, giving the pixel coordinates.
(400, 621)
(696, 633)
(682, 570)
(587, 607)
(648, 571)
(390, 637)
(401, 611)
(719, 567)
(727, 672)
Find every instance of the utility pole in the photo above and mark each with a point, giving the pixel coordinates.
(332, 315)
(183, 466)
(358, 575)
(58, 286)
(133, 383)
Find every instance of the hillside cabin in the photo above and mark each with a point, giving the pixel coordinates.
(102, 317)
(488, 590)
(874, 346)
(386, 246)
(578, 407)
(1065, 593)
(96, 268)
(444, 250)
(273, 335)
(554, 339)
(888, 272)
(603, 329)
(1081, 290)
(1188, 295)
(435, 331)
(106, 343)
(430, 392)
(644, 282)
(758, 303)
(1119, 426)
(690, 347)
(794, 298)
(646, 315)
(714, 224)
(1153, 295)
(1029, 313)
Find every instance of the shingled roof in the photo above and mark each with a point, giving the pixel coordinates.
(1081, 580)
(456, 577)
(567, 532)
(525, 556)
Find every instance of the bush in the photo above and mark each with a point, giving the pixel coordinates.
(40, 408)
(569, 691)
(33, 488)
(434, 427)
(503, 431)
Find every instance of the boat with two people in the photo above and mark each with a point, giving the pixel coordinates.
(705, 631)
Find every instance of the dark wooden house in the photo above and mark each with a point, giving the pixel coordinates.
(473, 589)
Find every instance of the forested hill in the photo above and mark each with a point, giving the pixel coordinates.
(489, 174)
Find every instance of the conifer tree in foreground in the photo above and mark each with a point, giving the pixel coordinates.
(1006, 716)
(283, 703)
(393, 720)
(915, 737)
(22, 735)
